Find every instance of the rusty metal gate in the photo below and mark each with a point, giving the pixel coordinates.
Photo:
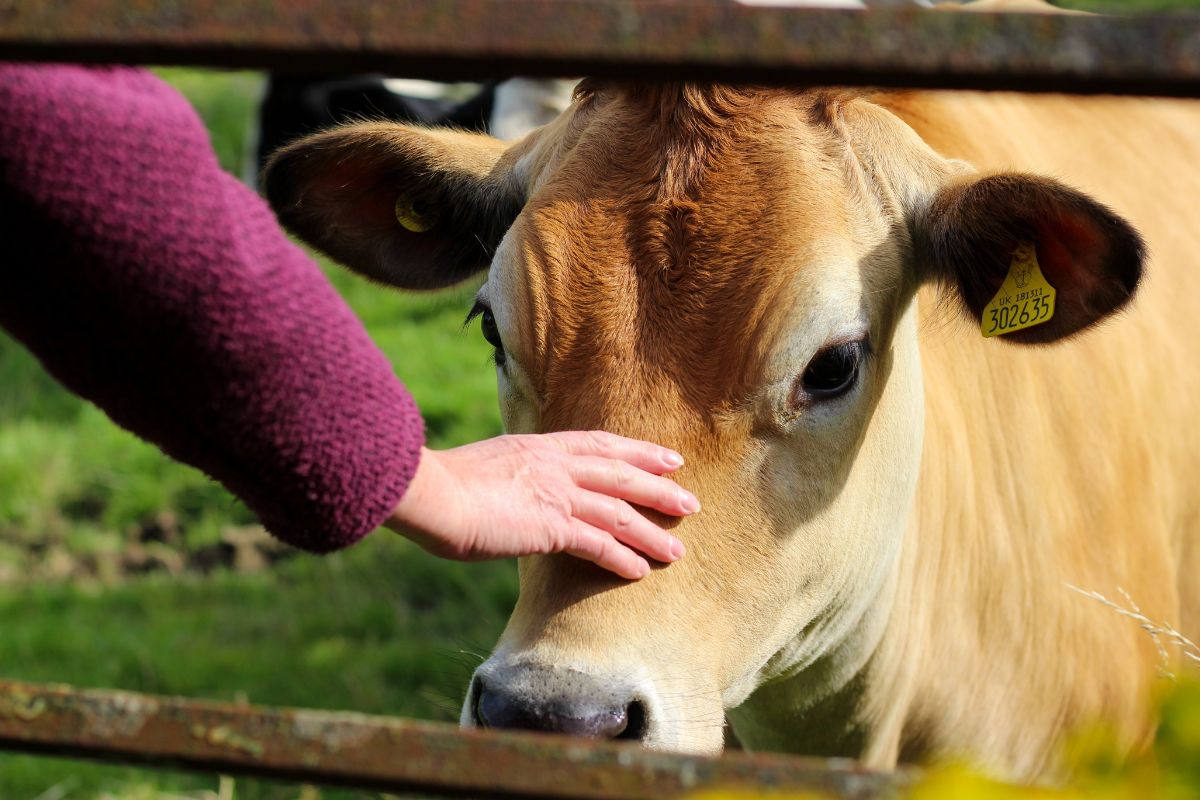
(702, 39)
(361, 751)
(889, 45)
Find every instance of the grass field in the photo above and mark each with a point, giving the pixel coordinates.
(380, 628)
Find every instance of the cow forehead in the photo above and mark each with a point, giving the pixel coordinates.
(666, 242)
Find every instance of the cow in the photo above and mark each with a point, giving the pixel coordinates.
(793, 288)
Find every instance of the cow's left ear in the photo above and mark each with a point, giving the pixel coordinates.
(971, 233)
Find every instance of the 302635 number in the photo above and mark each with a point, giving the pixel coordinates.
(1020, 315)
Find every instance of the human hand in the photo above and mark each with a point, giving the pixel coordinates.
(566, 492)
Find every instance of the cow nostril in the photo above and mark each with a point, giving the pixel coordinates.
(476, 711)
(635, 725)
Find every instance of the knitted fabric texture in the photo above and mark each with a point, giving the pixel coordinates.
(160, 288)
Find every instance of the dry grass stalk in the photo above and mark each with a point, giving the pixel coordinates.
(1159, 631)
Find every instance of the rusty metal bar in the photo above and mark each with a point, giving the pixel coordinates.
(388, 754)
(698, 39)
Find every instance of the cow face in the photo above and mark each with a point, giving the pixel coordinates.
(731, 273)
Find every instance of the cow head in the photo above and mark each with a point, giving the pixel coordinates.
(732, 273)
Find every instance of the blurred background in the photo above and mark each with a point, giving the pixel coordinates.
(120, 568)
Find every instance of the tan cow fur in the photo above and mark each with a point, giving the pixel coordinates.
(1054, 466)
(888, 577)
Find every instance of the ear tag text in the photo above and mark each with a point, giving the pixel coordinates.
(412, 215)
(1025, 298)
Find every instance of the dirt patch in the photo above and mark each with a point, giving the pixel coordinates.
(156, 546)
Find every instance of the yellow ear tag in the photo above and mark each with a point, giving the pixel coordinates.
(410, 216)
(1025, 298)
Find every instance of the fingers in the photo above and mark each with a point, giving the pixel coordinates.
(618, 518)
(619, 479)
(643, 455)
(593, 544)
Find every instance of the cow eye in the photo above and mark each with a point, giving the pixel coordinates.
(832, 372)
(487, 321)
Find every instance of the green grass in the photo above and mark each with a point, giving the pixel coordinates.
(381, 628)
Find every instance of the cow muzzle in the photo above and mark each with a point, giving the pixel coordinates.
(555, 700)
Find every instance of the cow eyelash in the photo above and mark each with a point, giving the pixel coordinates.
(487, 323)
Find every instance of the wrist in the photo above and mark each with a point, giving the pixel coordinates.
(407, 510)
(422, 514)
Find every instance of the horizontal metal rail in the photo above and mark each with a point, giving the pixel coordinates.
(387, 754)
(696, 39)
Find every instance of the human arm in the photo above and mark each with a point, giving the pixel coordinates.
(157, 286)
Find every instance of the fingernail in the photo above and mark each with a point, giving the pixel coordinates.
(677, 549)
(689, 503)
(672, 459)
(643, 568)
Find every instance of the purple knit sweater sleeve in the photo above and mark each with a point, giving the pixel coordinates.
(161, 289)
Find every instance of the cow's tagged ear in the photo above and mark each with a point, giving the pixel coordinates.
(413, 208)
(975, 233)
